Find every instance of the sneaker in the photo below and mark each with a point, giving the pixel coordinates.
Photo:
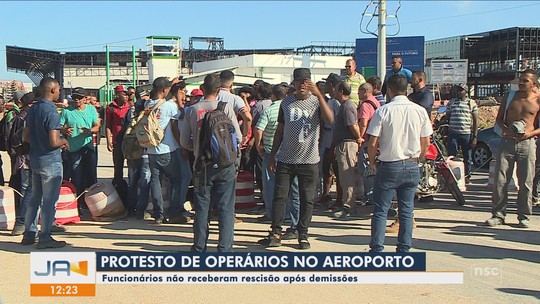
(17, 230)
(57, 228)
(273, 240)
(50, 244)
(143, 216)
(178, 219)
(343, 213)
(303, 243)
(536, 201)
(393, 228)
(237, 220)
(494, 221)
(290, 235)
(467, 180)
(159, 221)
(28, 241)
(523, 224)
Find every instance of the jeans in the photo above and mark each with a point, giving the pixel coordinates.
(185, 178)
(168, 164)
(45, 183)
(214, 186)
(293, 202)
(139, 184)
(399, 177)
(536, 180)
(346, 155)
(463, 141)
(82, 166)
(26, 191)
(308, 177)
(118, 162)
(509, 152)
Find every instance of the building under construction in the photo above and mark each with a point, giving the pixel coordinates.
(495, 58)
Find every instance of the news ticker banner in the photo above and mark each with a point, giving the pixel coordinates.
(77, 273)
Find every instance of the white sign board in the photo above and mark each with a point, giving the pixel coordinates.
(451, 71)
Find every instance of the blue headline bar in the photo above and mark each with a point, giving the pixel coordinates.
(260, 261)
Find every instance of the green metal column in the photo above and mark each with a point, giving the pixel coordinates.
(107, 75)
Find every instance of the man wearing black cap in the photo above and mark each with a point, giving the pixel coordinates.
(164, 159)
(297, 139)
(79, 122)
(329, 164)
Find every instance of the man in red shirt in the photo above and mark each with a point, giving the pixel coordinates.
(114, 119)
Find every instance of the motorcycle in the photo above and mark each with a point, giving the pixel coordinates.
(435, 175)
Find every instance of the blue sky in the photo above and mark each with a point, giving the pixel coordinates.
(88, 26)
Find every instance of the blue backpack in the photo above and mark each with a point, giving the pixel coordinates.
(217, 139)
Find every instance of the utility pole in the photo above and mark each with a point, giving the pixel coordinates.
(381, 47)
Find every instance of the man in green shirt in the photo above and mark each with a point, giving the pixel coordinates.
(79, 122)
(354, 79)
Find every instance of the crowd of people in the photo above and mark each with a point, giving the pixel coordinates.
(297, 139)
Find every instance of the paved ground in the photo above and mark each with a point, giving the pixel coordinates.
(452, 236)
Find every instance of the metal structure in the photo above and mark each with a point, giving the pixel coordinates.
(322, 48)
(215, 49)
(37, 64)
(495, 57)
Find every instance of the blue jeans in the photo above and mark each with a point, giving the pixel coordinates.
(26, 191)
(463, 141)
(139, 184)
(168, 164)
(214, 186)
(399, 177)
(185, 177)
(46, 182)
(82, 167)
(308, 177)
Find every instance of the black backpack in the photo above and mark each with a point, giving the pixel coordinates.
(15, 139)
(217, 139)
(5, 129)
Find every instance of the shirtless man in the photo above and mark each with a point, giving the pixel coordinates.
(517, 145)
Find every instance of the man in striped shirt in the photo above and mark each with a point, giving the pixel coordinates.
(462, 114)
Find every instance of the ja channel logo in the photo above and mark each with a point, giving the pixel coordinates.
(62, 273)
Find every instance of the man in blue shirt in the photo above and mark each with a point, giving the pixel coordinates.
(397, 69)
(421, 94)
(43, 131)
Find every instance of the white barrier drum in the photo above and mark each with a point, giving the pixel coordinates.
(7, 208)
(458, 168)
(104, 202)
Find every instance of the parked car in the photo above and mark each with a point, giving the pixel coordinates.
(482, 151)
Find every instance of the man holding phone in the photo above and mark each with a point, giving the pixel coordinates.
(79, 122)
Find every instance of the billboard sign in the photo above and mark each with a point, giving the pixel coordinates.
(411, 49)
(451, 71)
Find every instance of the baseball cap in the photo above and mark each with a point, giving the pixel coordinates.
(78, 92)
(301, 74)
(161, 82)
(119, 88)
(197, 92)
(28, 98)
(463, 86)
(333, 78)
(142, 92)
(19, 94)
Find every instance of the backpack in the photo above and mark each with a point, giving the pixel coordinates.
(217, 139)
(147, 129)
(5, 129)
(15, 139)
(130, 144)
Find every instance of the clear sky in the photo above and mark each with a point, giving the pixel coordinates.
(89, 25)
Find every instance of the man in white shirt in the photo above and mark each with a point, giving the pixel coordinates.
(401, 130)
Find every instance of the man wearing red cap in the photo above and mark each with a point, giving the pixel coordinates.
(114, 117)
